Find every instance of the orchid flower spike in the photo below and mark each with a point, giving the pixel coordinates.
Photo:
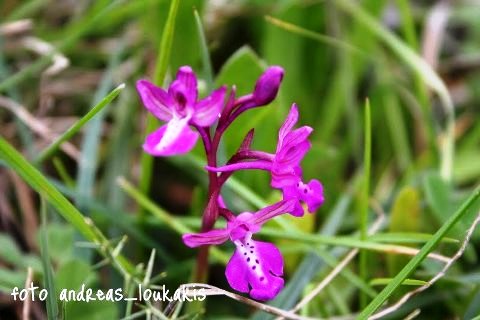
(284, 165)
(256, 267)
(179, 107)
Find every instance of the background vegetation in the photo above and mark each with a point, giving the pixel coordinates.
(81, 203)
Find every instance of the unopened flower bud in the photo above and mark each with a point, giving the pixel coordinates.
(267, 85)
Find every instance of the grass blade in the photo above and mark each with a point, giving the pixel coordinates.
(367, 158)
(45, 189)
(50, 150)
(415, 261)
(207, 65)
(52, 306)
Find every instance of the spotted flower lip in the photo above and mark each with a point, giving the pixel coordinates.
(179, 107)
(256, 267)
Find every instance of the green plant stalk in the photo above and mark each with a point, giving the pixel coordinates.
(45, 189)
(367, 158)
(161, 67)
(50, 150)
(415, 261)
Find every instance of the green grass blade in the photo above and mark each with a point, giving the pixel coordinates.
(165, 49)
(367, 158)
(207, 65)
(52, 306)
(415, 261)
(334, 42)
(45, 189)
(50, 150)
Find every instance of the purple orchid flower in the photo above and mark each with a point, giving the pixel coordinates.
(284, 165)
(179, 108)
(256, 267)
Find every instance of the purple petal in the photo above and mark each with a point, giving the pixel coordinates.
(187, 77)
(290, 193)
(155, 99)
(283, 175)
(288, 125)
(266, 88)
(241, 226)
(174, 138)
(217, 236)
(313, 195)
(256, 267)
(290, 156)
(261, 165)
(296, 136)
(207, 110)
(267, 213)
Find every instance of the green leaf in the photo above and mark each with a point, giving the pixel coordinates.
(405, 217)
(10, 279)
(60, 241)
(52, 306)
(72, 274)
(439, 198)
(93, 310)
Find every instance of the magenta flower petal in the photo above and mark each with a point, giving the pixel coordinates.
(283, 176)
(174, 138)
(256, 267)
(288, 125)
(207, 110)
(186, 76)
(270, 212)
(312, 194)
(290, 193)
(267, 85)
(155, 100)
(217, 236)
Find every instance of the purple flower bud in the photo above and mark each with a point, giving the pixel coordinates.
(267, 85)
